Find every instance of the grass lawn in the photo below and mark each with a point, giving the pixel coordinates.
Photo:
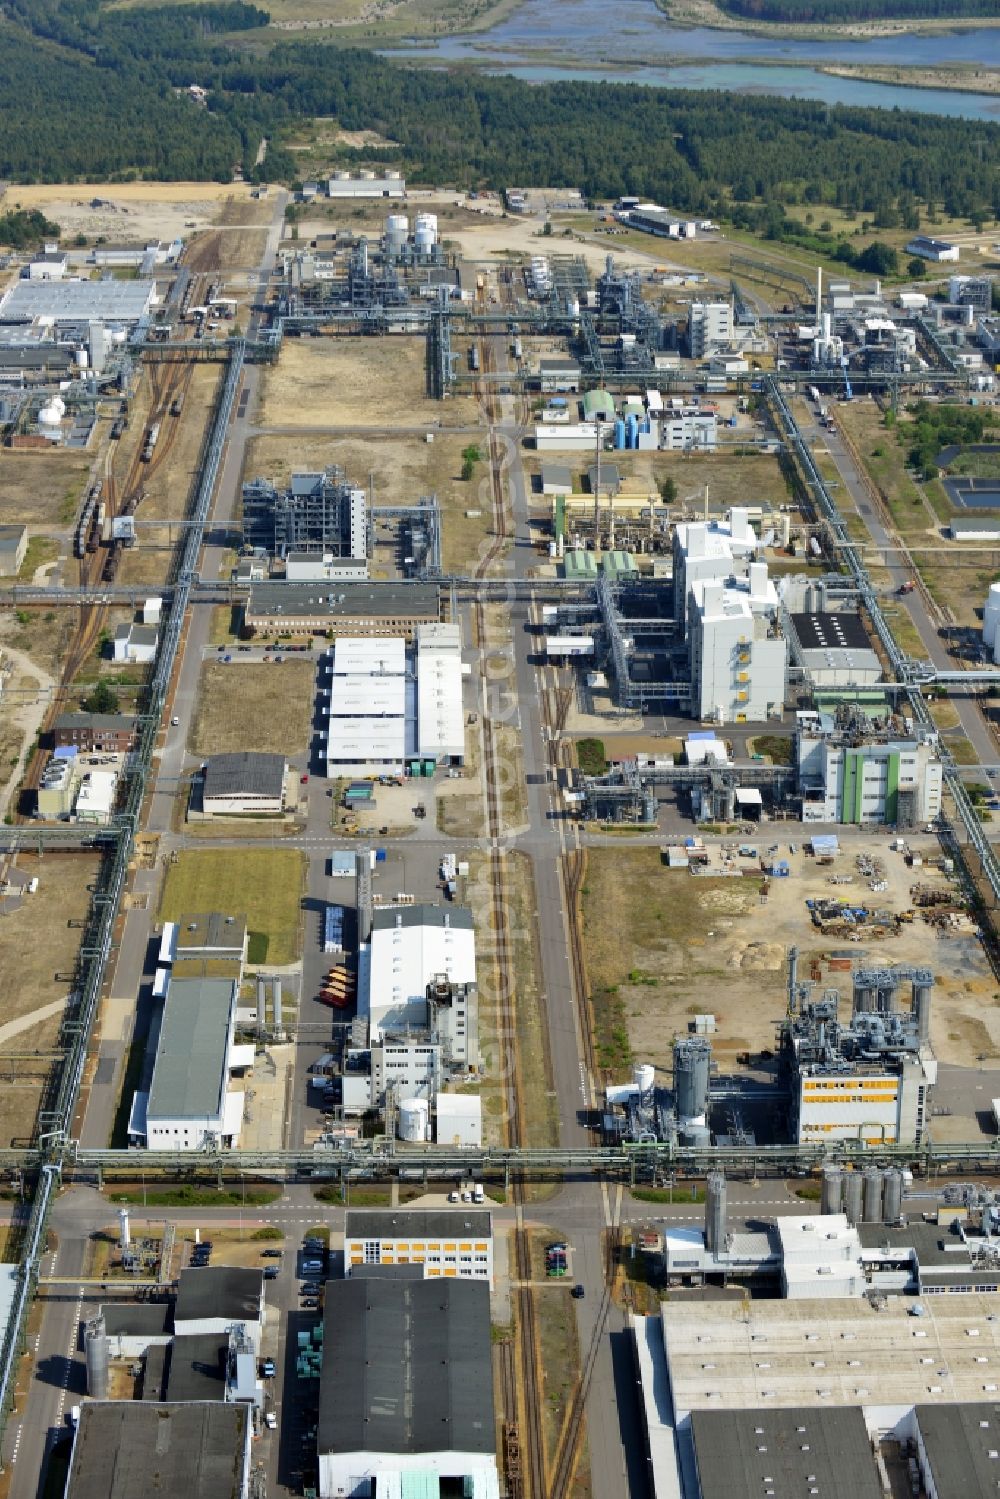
(264, 884)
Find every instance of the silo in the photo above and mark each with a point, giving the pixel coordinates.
(715, 1212)
(619, 437)
(923, 985)
(872, 1179)
(643, 1076)
(692, 1065)
(832, 1187)
(397, 229)
(261, 1004)
(425, 232)
(991, 616)
(124, 1234)
(414, 1114)
(892, 1200)
(276, 1002)
(95, 1344)
(852, 1197)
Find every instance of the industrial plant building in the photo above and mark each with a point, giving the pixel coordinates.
(319, 516)
(90, 732)
(345, 609)
(115, 304)
(406, 1390)
(366, 185)
(851, 772)
(447, 1244)
(737, 654)
(834, 650)
(190, 1105)
(391, 709)
(243, 784)
(127, 1449)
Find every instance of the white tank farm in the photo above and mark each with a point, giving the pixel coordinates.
(991, 617)
(425, 232)
(414, 1120)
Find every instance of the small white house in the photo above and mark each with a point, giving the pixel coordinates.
(136, 643)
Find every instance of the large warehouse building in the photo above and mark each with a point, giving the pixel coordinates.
(344, 609)
(389, 707)
(116, 304)
(406, 1391)
(409, 947)
(127, 1449)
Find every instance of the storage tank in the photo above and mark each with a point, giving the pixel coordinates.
(82, 359)
(425, 232)
(633, 430)
(397, 229)
(692, 1065)
(52, 412)
(643, 1076)
(95, 1343)
(832, 1188)
(124, 1233)
(715, 1212)
(276, 1002)
(991, 616)
(619, 434)
(414, 1117)
(872, 1179)
(892, 1198)
(852, 1197)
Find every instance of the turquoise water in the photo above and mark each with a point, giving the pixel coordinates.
(631, 41)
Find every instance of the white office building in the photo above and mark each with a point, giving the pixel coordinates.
(737, 655)
(891, 781)
(681, 431)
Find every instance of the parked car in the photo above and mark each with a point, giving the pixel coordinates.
(310, 1304)
(270, 1421)
(175, 720)
(578, 1292)
(267, 1368)
(272, 1254)
(271, 1272)
(310, 1288)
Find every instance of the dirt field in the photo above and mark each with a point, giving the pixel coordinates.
(43, 488)
(133, 210)
(231, 248)
(355, 382)
(263, 884)
(42, 634)
(668, 945)
(259, 707)
(38, 950)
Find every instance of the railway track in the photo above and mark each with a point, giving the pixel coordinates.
(121, 497)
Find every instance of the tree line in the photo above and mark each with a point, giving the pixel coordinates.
(802, 12)
(92, 92)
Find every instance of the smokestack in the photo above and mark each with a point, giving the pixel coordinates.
(923, 983)
(124, 1235)
(819, 297)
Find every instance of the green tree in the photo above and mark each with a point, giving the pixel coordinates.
(470, 457)
(103, 699)
(668, 491)
(915, 268)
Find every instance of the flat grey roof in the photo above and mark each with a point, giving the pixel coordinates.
(934, 1246)
(127, 1449)
(189, 1073)
(421, 1223)
(385, 918)
(959, 524)
(244, 773)
(233, 1292)
(559, 366)
(130, 1319)
(787, 1453)
(378, 600)
(217, 931)
(962, 1443)
(407, 1367)
(196, 1367)
(72, 301)
(557, 474)
(11, 537)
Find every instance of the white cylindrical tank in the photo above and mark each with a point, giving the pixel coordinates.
(643, 1075)
(124, 1233)
(991, 616)
(52, 412)
(397, 228)
(82, 359)
(414, 1117)
(425, 232)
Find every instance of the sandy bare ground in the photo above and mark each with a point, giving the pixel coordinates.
(26, 694)
(130, 211)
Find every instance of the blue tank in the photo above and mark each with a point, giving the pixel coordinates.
(619, 434)
(646, 427)
(633, 431)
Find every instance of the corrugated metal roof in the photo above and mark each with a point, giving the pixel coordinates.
(77, 301)
(786, 1453)
(189, 1073)
(407, 1367)
(375, 600)
(243, 773)
(126, 1449)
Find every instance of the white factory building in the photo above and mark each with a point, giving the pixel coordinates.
(409, 946)
(388, 705)
(711, 551)
(877, 1105)
(710, 326)
(366, 185)
(190, 1104)
(737, 654)
(885, 781)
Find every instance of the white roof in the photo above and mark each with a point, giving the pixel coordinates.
(453, 1106)
(242, 1056)
(440, 714)
(359, 695)
(401, 962)
(97, 793)
(370, 655)
(77, 301)
(357, 740)
(749, 796)
(232, 1115)
(439, 637)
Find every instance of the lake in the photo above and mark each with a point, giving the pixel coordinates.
(550, 39)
